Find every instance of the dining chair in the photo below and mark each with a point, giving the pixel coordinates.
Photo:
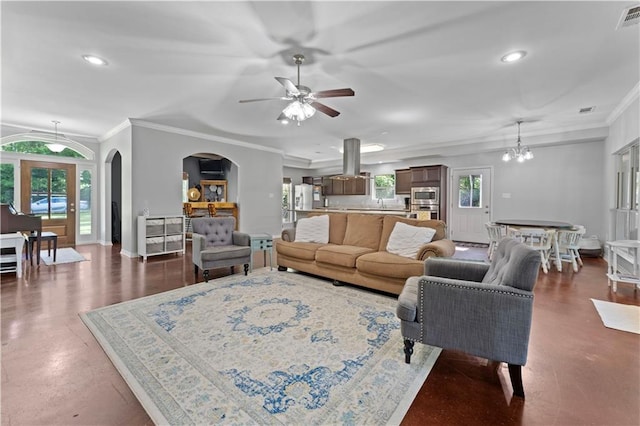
(568, 241)
(539, 239)
(496, 233)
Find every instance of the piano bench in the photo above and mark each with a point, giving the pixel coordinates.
(45, 236)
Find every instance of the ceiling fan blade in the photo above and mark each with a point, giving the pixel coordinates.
(333, 93)
(288, 85)
(325, 109)
(282, 117)
(282, 98)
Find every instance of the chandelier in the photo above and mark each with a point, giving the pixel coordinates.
(56, 147)
(519, 153)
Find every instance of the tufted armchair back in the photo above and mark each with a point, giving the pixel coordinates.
(216, 231)
(513, 264)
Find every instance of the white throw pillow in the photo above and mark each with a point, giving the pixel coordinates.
(313, 229)
(405, 240)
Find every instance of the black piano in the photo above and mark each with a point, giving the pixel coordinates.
(13, 221)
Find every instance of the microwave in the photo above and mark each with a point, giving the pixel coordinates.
(425, 195)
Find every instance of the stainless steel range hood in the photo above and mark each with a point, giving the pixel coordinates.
(350, 159)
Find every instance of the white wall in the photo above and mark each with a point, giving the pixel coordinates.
(562, 183)
(157, 176)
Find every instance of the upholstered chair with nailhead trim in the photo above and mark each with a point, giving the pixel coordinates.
(216, 244)
(482, 309)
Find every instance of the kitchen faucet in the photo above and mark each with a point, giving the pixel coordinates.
(381, 202)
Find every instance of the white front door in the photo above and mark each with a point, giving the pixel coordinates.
(470, 204)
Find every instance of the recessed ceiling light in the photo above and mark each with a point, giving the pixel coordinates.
(94, 60)
(514, 56)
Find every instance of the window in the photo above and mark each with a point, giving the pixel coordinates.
(7, 186)
(287, 201)
(38, 147)
(85, 202)
(385, 187)
(470, 191)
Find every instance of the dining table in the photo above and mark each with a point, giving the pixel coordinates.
(544, 224)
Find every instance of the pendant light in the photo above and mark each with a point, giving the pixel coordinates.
(519, 153)
(56, 147)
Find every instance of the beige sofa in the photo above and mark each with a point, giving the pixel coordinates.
(356, 252)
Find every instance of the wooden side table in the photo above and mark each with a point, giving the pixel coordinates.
(624, 249)
(264, 243)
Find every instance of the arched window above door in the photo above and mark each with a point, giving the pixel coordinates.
(42, 143)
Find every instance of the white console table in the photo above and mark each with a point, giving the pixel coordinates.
(627, 249)
(12, 262)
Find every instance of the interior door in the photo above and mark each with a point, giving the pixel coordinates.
(471, 204)
(48, 190)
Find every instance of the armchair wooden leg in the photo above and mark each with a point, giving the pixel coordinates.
(408, 350)
(515, 372)
(232, 270)
(195, 269)
(246, 268)
(282, 268)
(205, 274)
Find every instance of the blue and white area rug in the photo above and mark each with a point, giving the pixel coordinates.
(270, 348)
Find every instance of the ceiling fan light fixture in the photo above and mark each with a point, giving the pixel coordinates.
(299, 111)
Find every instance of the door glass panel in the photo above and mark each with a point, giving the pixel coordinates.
(49, 193)
(85, 202)
(7, 186)
(470, 191)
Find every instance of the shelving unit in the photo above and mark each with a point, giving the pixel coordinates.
(160, 235)
(12, 261)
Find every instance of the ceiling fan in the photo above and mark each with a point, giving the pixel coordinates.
(303, 101)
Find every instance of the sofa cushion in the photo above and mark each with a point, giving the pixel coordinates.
(390, 221)
(390, 265)
(303, 251)
(363, 230)
(341, 255)
(337, 226)
(406, 240)
(313, 229)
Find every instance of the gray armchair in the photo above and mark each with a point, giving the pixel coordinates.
(484, 310)
(216, 244)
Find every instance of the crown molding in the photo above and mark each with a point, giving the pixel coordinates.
(200, 135)
(624, 104)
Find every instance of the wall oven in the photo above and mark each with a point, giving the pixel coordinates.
(425, 196)
(425, 202)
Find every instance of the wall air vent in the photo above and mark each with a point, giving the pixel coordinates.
(587, 110)
(630, 16)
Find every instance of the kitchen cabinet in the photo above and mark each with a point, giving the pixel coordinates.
(422, 176)
(403, 181)
(327, 185)
(160, 235)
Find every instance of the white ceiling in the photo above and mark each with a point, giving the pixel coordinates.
(426, 74)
